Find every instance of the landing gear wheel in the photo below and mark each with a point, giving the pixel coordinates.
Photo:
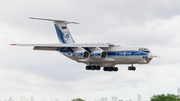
(98, 67)
(129, 68)
(132, 68)
(93, 67)
(115, 69)
(105, 68)
(88, 67)
(111, 69)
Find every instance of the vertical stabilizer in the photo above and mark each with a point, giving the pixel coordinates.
(61, 29)
(63, 33)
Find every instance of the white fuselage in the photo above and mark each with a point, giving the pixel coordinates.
(116, 54)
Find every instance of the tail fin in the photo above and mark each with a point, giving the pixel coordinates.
(63, 33)
(61, 30)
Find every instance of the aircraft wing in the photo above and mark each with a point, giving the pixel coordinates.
(57, 46)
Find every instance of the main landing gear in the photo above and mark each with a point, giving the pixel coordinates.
(109, 69)
(93, 67)
(132, 68)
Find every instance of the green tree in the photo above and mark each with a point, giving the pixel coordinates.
(78, 99)
(168, 97)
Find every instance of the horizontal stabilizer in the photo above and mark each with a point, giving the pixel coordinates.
(67, 22)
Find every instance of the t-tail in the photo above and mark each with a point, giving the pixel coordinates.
(62, 31)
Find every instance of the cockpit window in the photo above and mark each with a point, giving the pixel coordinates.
(144, 50)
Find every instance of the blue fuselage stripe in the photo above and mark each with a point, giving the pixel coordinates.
(126, 53)
(116, 53)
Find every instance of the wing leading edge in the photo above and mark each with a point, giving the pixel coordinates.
(54, 47)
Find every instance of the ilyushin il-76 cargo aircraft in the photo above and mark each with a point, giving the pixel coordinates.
(94, 55)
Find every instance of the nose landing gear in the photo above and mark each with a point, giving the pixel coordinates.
(132, 68)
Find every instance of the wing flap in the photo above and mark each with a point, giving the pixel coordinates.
(46, 48)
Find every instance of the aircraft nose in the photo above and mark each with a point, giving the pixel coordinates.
(150, 55)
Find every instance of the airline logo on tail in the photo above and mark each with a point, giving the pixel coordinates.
(66, 36)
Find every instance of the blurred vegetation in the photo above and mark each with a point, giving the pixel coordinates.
(168, 97)
(78, 99)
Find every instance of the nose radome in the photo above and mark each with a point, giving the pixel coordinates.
(150, 55)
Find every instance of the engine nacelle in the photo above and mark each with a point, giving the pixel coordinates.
(82, 54)
(98, 55)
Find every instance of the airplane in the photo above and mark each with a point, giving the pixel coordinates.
(94, 55)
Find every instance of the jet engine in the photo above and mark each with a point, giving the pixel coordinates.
(82, 54)
(98, 55)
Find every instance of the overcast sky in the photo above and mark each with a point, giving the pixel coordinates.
(154, 24)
